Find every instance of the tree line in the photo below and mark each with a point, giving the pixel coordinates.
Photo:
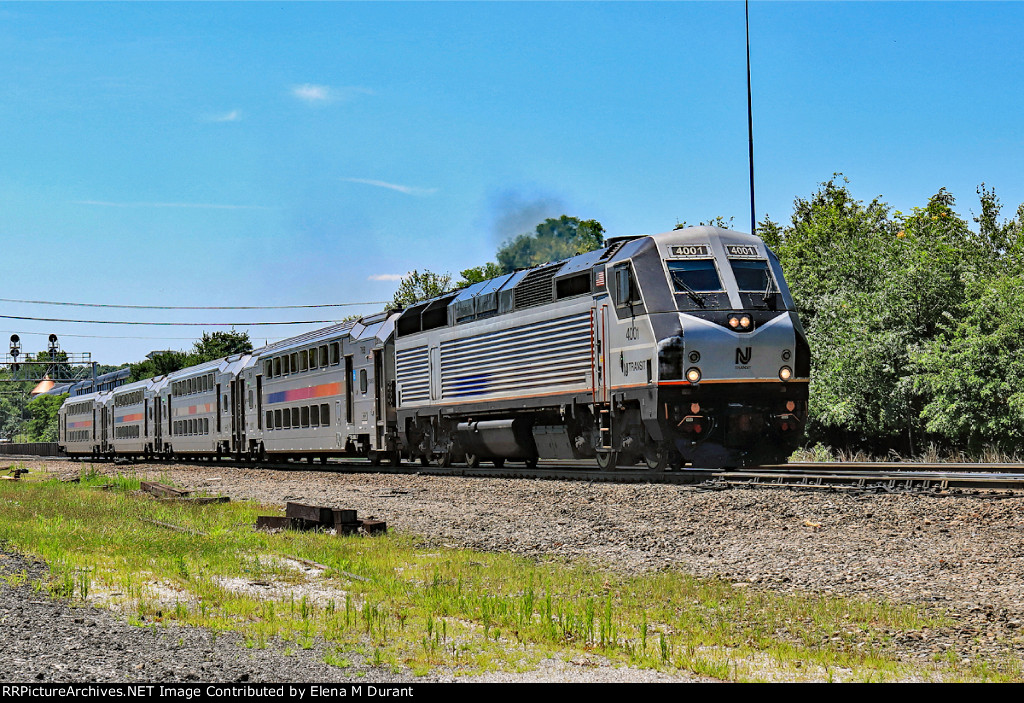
(914, 321)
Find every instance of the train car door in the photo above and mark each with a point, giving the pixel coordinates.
(350, 389)
(158, 406)
(103, 429)
(378, 392)
(238, 414)
(599, 330)
(259, 402)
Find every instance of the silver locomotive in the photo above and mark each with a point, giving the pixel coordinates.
(670, 349)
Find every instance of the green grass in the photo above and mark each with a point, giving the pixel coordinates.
(422, 608)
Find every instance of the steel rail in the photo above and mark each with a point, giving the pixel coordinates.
(882, 476)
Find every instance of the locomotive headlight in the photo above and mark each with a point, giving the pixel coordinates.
(740, 322)
(693, 374)
(785, 373)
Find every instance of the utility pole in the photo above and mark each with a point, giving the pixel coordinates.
(750, 124)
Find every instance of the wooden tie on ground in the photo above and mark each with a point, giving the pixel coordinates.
(299, 516)
(166, 492)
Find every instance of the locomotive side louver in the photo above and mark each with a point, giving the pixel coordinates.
(536, 288)
(413, 375)
(548, 354)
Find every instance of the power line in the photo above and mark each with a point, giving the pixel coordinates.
(183, 307)
(171, 324)
(102, 336)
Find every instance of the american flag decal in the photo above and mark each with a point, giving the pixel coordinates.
(600, 278)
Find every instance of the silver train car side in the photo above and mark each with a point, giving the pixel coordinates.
(669, 349)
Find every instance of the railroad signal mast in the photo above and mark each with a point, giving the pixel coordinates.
(53, 364)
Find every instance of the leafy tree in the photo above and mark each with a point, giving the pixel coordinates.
(215, 345)
(43, 418)
(59, 368)
(162, 363)
(832, 245)
(552, 240)
(973, 373)
(421, 286)
(893, 305)
(718, 221)
(12, 410)
(218, 345)
(479, 273)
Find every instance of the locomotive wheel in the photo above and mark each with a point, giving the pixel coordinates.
(607, 460)
(499, 462)
(444, 459)
(472, 460)
(395, 458)
(424, 460)
(656, 457)
(531, 463)
(374, 458)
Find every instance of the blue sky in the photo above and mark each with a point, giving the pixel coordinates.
(302, 153)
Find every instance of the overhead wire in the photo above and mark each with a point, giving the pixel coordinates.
(101, 336)
(171, 324)
(196, 307)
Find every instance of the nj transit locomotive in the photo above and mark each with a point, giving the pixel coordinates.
(671, 349)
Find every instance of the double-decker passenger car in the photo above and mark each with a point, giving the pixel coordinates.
(321, 394)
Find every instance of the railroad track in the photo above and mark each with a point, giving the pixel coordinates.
(932, 478)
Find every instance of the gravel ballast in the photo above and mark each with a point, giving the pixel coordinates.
(960, 554)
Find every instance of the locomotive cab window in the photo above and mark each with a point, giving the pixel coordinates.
(756, 284)
(626, 291)
(752, 275)
(699, 275)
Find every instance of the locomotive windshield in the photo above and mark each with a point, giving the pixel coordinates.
(694, 275)
(753, 276)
